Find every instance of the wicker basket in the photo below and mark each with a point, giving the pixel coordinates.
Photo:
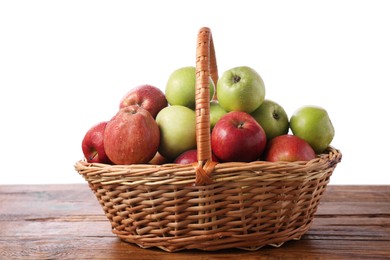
(210, 206)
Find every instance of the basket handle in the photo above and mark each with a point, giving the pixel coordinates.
(206, 69)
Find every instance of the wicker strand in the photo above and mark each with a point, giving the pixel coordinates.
(203, 174)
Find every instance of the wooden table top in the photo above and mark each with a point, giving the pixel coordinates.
(67, 222)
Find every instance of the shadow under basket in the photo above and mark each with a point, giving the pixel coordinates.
(206, 205)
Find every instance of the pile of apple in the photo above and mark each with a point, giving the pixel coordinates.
(156, 127)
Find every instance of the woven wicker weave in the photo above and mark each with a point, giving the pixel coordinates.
(210, 206)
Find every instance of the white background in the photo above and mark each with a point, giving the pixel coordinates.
(64, 65)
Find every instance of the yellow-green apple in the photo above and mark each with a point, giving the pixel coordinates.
(178, 130)
(238, 137)
(180, 88)
(132, 136)
(93, 144)
(289, 148)
(190, 156)
(272, 117)
(313, 124)
(216, 112)
(146, 96)
(240, 89)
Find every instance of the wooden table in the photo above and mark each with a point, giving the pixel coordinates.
(66, 222)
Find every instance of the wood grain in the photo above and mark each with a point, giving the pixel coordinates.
(67, 222)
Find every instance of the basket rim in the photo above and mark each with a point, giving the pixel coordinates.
(184, 174)
(327, 153)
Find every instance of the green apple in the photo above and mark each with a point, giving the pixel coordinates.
(273, 118)
(180, 88)
(312, 123)
(177, 130)
(240, 89)
(216, 112)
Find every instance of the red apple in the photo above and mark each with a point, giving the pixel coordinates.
(131, 136)
(288, 148)
(93, 145)
(238, 137)
(146, 96)
(190, 156)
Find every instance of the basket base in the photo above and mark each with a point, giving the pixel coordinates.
(216, 242)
